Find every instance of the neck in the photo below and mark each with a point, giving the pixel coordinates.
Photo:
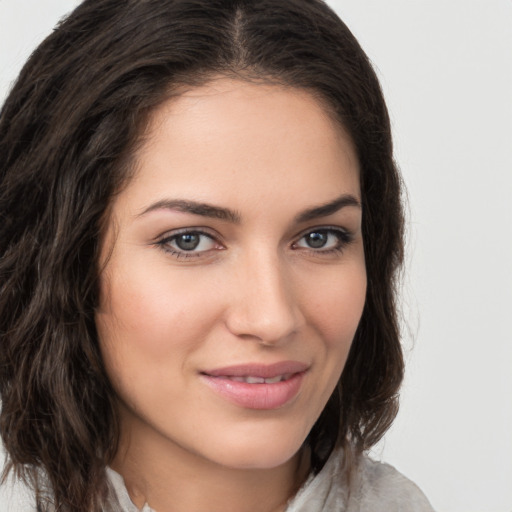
(171, 479)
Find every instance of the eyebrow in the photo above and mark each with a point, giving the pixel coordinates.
(328, 208)
(195, 208)
(217, 212)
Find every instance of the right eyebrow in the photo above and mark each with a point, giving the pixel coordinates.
(195, 208)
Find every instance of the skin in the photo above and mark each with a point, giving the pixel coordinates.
(254, 290)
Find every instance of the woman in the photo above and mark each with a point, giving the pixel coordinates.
(201, 233)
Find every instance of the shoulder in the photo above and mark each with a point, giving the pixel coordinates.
(371, 487)
(379, 486)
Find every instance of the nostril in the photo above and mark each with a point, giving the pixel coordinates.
(266, 330)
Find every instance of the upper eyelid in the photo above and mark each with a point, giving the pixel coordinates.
(181, 231)
(312, 229)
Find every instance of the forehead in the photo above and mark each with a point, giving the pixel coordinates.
(231, 138)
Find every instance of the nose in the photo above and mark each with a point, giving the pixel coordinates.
(264, 305)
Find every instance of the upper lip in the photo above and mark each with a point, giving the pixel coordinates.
(266, 371)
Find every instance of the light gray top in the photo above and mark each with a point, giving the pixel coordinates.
(376, 487)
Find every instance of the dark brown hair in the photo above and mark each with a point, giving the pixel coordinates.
(67, 132)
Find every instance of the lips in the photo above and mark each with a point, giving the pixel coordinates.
(259, 370)
(255, 386)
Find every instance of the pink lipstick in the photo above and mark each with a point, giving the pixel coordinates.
(257, 386)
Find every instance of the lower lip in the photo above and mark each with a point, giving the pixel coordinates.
(256, 396)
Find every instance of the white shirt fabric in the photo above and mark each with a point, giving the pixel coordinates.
(375, 487)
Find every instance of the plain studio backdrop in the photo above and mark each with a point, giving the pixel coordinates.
(446, 71)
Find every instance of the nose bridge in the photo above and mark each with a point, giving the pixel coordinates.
(264, 305)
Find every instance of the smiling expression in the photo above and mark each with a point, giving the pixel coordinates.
(236, 275)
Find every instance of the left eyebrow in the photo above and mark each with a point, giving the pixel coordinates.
(328, 209)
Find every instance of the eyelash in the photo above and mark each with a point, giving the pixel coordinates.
(166, 240)
(343, 236)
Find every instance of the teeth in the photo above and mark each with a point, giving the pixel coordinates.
(238, 379)
(278, 378)
(255, 380)
(260, 380)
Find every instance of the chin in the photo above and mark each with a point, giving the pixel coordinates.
(257, 452)
(256, 459)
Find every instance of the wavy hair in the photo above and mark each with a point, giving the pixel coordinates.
(68, 132)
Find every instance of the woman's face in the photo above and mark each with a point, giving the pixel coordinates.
(236, 277)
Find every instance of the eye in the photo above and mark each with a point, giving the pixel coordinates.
(324, 240)
(188, 243)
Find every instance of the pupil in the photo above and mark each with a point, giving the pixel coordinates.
(317, 240)
(188, 241)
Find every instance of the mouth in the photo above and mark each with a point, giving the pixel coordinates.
(259, 387)
(279, 371)
(250, 379)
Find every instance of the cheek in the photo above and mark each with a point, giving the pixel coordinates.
(334, 311)
(147, 328)
(335, 308)
(149, 313)
(346, 308)
(336, 314)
